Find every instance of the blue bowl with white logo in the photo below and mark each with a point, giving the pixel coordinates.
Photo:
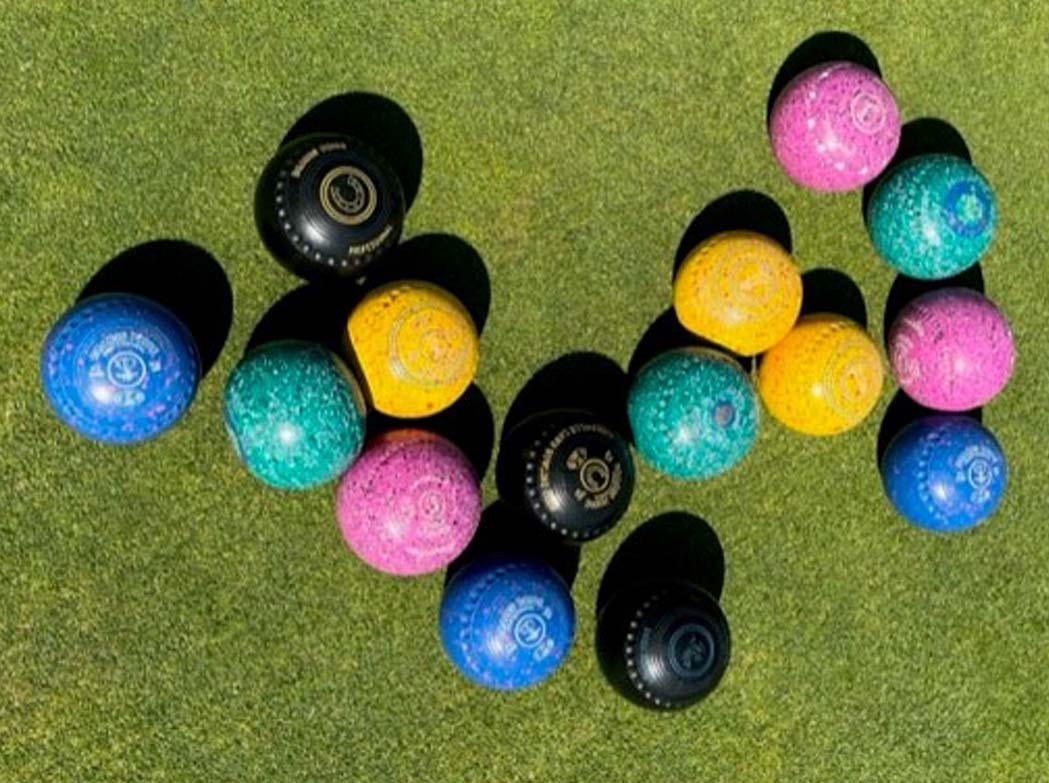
(119, 368)
(507, 623)
(933, 216)
(945, 473)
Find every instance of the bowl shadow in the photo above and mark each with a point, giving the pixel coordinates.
(584, 381)
(902, 410)
(827, 290)
(739, 210)
(675, 545)
(315, 312)
(667, 334)
(444, 260)
(506, 531)
(181, 276)
(468, 423)
(379, 122)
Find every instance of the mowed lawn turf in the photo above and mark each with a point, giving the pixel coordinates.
(164, 616)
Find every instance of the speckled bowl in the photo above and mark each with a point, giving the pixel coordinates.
(295, 414)
(824, 377)
(739, 289)
(507, 623)
(933, 216)
(416, 346)
(945, 473)
(952, 349)
(835, 127)
(693, 412)
(410, 504)
(119, 368)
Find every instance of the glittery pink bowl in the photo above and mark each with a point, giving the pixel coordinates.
(410, 504)
(952, 349)
(835, 127)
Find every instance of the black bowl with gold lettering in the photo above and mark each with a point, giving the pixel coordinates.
(571, 472)
(328, 206)
(663, 644)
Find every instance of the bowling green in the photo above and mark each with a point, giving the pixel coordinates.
(166, 617)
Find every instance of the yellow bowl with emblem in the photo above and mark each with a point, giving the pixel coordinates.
(740, 289)
(416, 348)
(824, 377)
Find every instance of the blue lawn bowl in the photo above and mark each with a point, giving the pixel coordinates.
(694, 413)
(119, 368)
(932, 217)
(507, 623)
(945, 473)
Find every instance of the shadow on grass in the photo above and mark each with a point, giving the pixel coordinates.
(184, 278)
(506, 531)
(832, 291)
(315, 312)
(468, 423)
(667, 334)
(444, 260)
(901, 412)
(740, 210)
(379, 122)
(582, 381)
(676, 545)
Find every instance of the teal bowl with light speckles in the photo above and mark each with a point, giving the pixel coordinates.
(694, 413)
(933, 216)
(295, 414)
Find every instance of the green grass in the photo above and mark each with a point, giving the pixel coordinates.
(165, 617)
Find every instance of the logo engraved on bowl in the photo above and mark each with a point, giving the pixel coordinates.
(748, 281)
(724, 413)
(529, 629)
(691, 651)
(967, 208)
(419, 514)
(599, 477)
(595, 473)
(126, 369)
(850, 375)
(348, 195)
(868, 111)
(430, 506)
(429, 353)
(595, 476)
(977, 467)
(980, 473)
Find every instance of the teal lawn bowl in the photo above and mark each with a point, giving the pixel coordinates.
(295, 414)
(932, 217)
(694, 413)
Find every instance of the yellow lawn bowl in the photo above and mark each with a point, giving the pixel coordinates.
(416, 347)
(739, 289)
(824, 377)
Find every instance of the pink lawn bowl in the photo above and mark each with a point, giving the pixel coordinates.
(952, 349)
(410, 504)
(835, 127)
